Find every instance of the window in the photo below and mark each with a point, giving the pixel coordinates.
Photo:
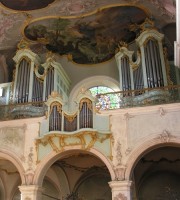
(105, 101)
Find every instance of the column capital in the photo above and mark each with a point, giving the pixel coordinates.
(120, 184)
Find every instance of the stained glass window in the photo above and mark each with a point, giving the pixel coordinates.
(105, 101)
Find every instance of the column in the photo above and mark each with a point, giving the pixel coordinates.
(177, 42)
(121, 190)
(31, 192)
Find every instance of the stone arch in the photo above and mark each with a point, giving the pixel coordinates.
(145, 148)
(53, 157)
(10, 156)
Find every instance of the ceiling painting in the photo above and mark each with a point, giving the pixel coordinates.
(87, 40)
(26, 5)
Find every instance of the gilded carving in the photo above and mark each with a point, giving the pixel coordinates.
(54, 95)
(84, 139)
(120, 196)
(70, 118)
(89, 103)
(58, 105)
(23, 44)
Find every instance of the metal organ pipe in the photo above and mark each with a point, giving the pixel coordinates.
(22, 82)
(154, 67)
(153, 64)
(125, 73)
(49, 82)
(85, 116)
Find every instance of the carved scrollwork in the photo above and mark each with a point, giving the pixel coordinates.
(165, 136)
(84, 139)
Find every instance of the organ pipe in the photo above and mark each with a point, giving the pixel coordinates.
(153, 64)
(125, 74)
(22, 82)
(49, 82)
(55, 117)
(86, 114)
(37, 93)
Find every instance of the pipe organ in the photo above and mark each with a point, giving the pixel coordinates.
(34, 81)
(25, 61)
(86, 113)
(149, 70)
(61, 120)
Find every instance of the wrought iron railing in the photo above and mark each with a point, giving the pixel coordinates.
(22, 110)
(135, 98)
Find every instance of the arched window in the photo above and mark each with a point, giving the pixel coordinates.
(106, 98)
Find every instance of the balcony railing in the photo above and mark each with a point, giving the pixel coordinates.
(138, 98)
(22, 111)
(108, 101)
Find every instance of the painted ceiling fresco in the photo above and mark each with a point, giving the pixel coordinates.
(87, 40)
(25, 5)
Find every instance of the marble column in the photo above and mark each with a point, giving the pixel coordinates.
(177, 42)
(31, 192)
(121, 190)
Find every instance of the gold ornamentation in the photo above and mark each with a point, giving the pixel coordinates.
(58, 105)
(54, 95)
(23, 44)
(89, 103)
(69, 57)
(50, 56)
(85, 139)
(70, 118)
(136, 64)
(122, 44)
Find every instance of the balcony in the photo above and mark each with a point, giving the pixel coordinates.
(107, 101)
(138, 98)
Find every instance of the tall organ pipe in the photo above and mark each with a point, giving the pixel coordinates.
(153, 64)
(22, 82)
(125, 74)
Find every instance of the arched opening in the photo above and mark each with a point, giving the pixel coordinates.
(157, 174)
(77, 175)
(9, 180)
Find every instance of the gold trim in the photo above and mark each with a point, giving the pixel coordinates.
(89, 104)
(80, 137)
(150, 38)
(24, 11)
(28, 22)
(70, 118)
(58, 105)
